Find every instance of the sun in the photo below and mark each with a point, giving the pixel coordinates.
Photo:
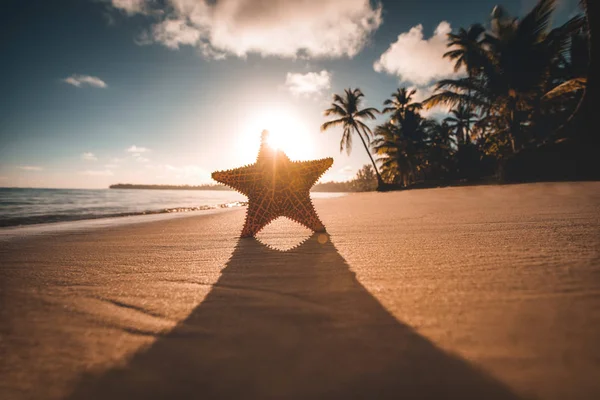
(287, 132)
(276, 141)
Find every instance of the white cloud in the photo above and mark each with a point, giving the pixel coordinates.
(346, 170)
(417, 60)
(131, 6)
(136, 149)
(139, 158)
(110, 166)
(136, 153)
(85, 80)
(286, 28)
(173, 33)
(89, 156)
(105, 172)
(309, 84)
(30, 168)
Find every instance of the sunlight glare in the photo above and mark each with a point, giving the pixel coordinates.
(287, 132)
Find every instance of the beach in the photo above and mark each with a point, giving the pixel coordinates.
(482, 292)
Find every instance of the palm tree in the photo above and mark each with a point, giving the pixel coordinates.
(401, 145)
(400, 103)
(440, 134)
(350, 117)
(440, 150)
(518, 55)
(397, 155)
(466, 52)
(459, 121)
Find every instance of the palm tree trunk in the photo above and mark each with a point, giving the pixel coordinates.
(514, 127)
(379, 179)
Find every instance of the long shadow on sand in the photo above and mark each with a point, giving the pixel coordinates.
(291, 325)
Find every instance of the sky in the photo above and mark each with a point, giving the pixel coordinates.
(97, 92)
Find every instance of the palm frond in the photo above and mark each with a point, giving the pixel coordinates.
(447, 97)
(559, 39)
(339, 99)
(567, 88)
(335, 109)
(333, 123)
(367, 112)
(357, 93)
(537, 21)
(346, 141)
(464, 84)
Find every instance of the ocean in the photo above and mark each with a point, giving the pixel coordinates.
(25, 206)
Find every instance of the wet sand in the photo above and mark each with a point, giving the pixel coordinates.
(475, 292)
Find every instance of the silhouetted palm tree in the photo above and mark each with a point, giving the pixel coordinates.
(441, 134)
(440, 150)
(400, 102)
(467, 52)
(350, 117)
(401, 145)
(512, 74)
(459, 121)
(397, 155)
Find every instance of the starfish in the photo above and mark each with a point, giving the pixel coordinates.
(276, 187)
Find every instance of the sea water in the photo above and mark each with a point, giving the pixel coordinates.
(26, 206)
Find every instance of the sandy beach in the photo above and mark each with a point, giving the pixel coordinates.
(489, 292)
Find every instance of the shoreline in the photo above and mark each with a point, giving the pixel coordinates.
(15, 216)
(21, 231)
(472, 292)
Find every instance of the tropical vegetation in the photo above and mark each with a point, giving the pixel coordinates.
(365, 180)
(520, 85)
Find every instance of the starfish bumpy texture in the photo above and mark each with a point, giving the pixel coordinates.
(276, 187)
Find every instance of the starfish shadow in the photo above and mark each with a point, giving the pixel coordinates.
(293, 325)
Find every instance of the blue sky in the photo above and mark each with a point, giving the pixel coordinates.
(166, 91)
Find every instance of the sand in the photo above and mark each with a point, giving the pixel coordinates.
(489, 292)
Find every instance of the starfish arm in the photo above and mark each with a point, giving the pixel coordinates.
(311, 171)
(302, 211)
(257, 217)
(241, 179)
